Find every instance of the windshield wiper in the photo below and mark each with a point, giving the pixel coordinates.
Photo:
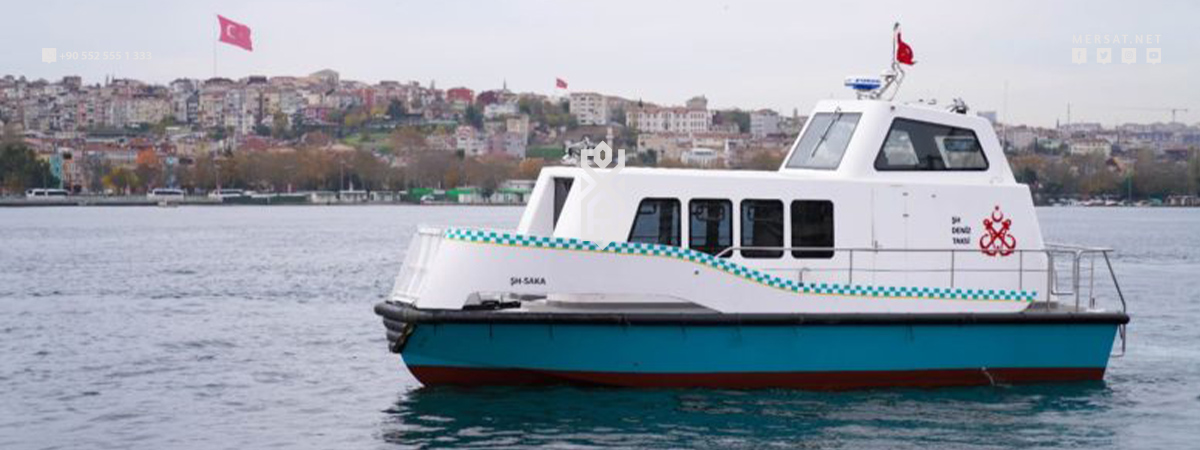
(837, 114)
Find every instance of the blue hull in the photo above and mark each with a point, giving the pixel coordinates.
(749, 351)
(822, 356)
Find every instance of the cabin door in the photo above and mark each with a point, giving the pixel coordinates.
(889, 231)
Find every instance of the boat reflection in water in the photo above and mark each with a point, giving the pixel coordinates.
(1047, 415)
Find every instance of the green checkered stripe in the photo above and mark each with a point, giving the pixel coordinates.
(738, 270)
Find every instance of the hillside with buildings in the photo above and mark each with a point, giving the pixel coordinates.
(322, 132)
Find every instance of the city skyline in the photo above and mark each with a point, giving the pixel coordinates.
(738, 55)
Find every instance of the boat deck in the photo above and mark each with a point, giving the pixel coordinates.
(575, 307)
(685, 314)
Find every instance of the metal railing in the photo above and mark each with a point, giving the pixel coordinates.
(1070, 270)
(953, 266)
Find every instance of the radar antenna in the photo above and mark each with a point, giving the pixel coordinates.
(888, 83)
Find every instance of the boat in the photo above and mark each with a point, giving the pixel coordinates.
(893, 247)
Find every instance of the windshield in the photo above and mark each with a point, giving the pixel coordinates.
(824, 141)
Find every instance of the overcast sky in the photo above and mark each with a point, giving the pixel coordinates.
(779, 55)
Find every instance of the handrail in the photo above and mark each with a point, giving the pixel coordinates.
(1075, 254)
(729, 250)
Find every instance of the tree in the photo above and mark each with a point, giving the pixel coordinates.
(763, 160)
(487, 172)
(396, 110)
(160, 128)
(219, 133)
(121, 180)
(473, 117)
(407, 141)
(94, 168)
(1095, 177)
(353, 119)
(20, 169)
(431, 169)
(735, 116)
(149, 169)
(1193, 171)
(1157, 179)
(279, 125)
(529, 169)
(619, 115)
(366, 170)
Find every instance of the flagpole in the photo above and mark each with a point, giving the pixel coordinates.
(214, 44)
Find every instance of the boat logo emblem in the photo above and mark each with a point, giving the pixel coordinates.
(996, 240)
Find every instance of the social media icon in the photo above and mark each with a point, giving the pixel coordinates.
(1104, 55)
(1079, 55)
(49, 55)
(1128, 55)
(1154, 55)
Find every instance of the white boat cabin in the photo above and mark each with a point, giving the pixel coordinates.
(878, 208)
(872, 192)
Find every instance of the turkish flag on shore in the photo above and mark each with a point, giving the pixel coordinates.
(560, 83)
(234, 33)
(904, 53)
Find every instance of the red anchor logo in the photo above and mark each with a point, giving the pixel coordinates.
(996, 241)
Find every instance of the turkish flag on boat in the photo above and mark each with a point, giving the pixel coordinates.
(235, 33)
(560, 83)
(904, 53)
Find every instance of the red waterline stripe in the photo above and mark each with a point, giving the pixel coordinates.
(467, 376)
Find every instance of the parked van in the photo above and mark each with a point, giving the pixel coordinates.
(45, 193)
(165, 193)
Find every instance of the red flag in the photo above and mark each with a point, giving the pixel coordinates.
(560, 83)
(235, 33)
(904, 53)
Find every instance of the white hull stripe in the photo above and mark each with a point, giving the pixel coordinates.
(684, 254)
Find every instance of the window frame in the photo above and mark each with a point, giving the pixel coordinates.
(678, 225)
(729, 218)
(742, 225)
(559, 185)
(987, 164)
(813, 254)
(834, 117)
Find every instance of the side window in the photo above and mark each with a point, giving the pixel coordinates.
(762, 226)
(921, 146)
(710, 225)
(656, 222)
(812, 226)
(562, 187)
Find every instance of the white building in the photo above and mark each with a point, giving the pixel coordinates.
(673, 120)
(469, 141)
(589, 108)
(763, 123)
(701, 157)
(518, 125)
(1019, 138)
(1081, 127)
(147, 110)
(496, 110)
(1091, 147)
